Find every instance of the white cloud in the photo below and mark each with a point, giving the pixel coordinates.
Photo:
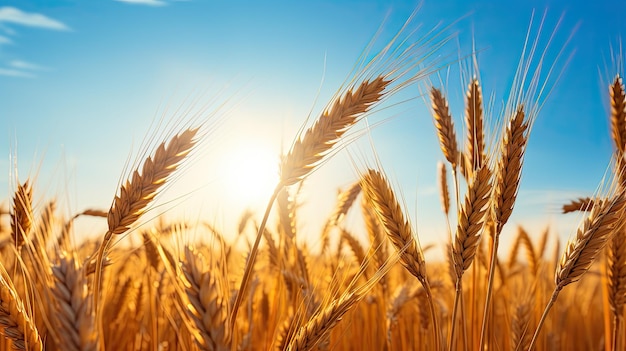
(5, 40)
(15, 73)
(144, 2)
(16, 16)
(18, 64)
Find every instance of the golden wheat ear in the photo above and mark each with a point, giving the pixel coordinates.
(618, 114)
(445, 127)
(474, 120)
(138, 192)
(16, 322)
(308, 151)
(580, 204)
(21, 214)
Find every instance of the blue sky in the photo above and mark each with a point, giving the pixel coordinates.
(81, 81)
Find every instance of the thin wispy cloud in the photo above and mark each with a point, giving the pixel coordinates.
(8, 72)
(13, 15)
(144, 2)
(5, 40)
(23, 65)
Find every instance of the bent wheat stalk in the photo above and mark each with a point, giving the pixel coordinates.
(381, 198)
(468, 231)
(600, 225)
(507, 179)
(137, 194)
(309, 151)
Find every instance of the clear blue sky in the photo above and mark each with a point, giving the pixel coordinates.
(80, 82)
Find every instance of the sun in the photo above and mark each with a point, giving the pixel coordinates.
(250, 173)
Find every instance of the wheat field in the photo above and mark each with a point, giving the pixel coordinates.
(150, 286)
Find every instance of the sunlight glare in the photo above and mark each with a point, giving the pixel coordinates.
(250, 173)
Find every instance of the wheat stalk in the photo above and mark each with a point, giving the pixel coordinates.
(470, 223)
(507, 178)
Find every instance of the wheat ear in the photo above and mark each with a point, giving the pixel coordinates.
(475, 148)
(15, 322)
(22, 214)
(206, 288)
(580, 204)
(616, 280)
(345, 199)
(444, 193)
(309, 151)
(445, 127)
(602, 222)
(73, 313)
(471, 220)
(618, 114)
(382, 199)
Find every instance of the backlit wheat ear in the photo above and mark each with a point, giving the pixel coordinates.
(72, 308)
(475, 148)
(344, 202)
(445, 127)
(580, 204)
(15, 323)
(22, 213)
(324, 320)
(139, 191)
(618, 113)
(322, 323)
(205, 289)
(137, 194)
(603, 221)
(444, 193)
(308, 152)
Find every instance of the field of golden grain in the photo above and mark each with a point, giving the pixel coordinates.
(152, 287)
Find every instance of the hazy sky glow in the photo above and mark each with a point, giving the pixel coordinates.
(81, 81)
